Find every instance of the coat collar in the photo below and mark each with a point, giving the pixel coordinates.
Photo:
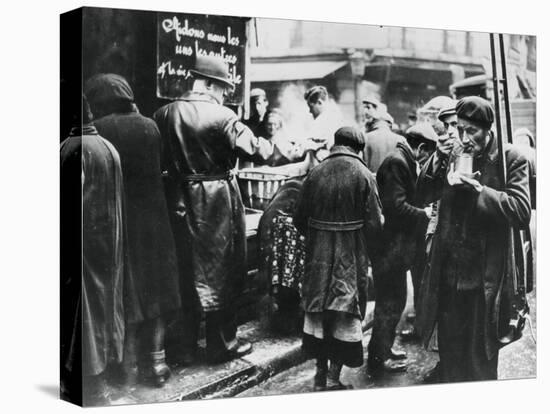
(378, 124)
(490, 153)
(341, 150)
(408, 154)
(199, 97)
(85, 129)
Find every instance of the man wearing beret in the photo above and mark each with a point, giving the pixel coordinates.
(200, 140)
(380, 140)
(467, 263)
(405, 222)
(339, 213)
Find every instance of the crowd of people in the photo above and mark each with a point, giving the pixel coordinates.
(163, 230)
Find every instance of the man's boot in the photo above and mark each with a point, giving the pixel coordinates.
(333, 377)
(160, 372)
(320, 378)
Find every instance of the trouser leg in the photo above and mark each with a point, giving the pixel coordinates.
(479, 367)
(461, 338)
(334, 370)
(221, 332)
(153, 334)
(191, 316)
(190, 325)
(321, 370)
(130, 356)
(391, 296)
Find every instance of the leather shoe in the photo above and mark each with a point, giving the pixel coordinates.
(339, 386)
(389, 366)
(432, 376)
(409, 334)
(397, 354)
(242, 349)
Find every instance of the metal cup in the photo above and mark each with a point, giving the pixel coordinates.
(464, 164)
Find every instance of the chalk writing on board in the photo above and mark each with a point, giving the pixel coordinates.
(181, 38)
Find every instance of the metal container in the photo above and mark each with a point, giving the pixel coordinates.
(464, 164)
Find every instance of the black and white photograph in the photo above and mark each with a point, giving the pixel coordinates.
(266, 207)
(255, 206)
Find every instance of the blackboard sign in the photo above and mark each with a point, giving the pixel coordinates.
(183, 37)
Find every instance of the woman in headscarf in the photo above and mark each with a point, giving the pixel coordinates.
(151, 244)
(92, 311)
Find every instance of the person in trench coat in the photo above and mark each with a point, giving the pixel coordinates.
(92, 308)
(462, 286)
(200, 141)
(339, 213)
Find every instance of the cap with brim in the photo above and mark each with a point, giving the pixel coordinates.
(434, 105)
(385, 116)
(212, 67)
(256, 93)
(372, 100)
(446, 112)
(422, 131)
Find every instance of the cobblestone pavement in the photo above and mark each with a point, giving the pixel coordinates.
(517, 360)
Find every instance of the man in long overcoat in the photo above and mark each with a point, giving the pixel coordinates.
(150, 244)
(339, 213)
(200, 139)
(404, 229)
(467, 262)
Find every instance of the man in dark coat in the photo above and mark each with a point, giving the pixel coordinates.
(405, 223)
(200, 139)
(380, 140)
(93, 325)
(467, 264)
(150, 242)
(339, 213)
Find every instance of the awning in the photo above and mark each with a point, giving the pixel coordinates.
(288, 71)
(408, 70)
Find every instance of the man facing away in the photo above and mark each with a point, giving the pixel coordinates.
(339, 213)
(200, 138)
(380, 140)
(92, 334)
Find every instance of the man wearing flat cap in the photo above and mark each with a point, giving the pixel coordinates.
(200, 139)
(380, 140)
(405, 222)
(447, 141)
(462, 290)
(339, 213)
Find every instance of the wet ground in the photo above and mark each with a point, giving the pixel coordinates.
(517, 360)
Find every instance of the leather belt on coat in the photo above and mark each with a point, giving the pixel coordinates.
(335, 225)
(228, 176)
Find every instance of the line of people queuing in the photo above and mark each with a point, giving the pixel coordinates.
(164, 230)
